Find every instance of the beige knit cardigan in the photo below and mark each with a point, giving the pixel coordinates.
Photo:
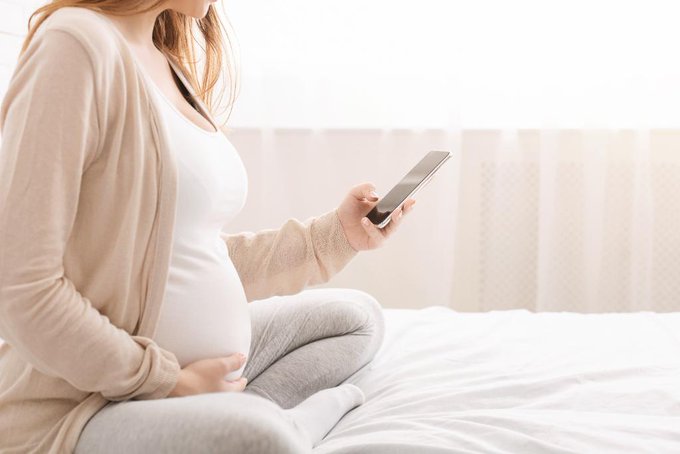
(87, 207)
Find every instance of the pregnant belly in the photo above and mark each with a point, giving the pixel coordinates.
(204, 314)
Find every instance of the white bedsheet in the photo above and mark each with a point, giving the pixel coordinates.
(518, 382)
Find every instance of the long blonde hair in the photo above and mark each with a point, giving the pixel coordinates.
(173, 33)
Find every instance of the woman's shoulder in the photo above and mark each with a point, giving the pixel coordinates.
(93, 31)
(80, 51)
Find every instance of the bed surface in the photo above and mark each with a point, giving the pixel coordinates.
(518, 382)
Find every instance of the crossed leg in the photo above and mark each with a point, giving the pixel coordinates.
(310, 341)
(303, 346)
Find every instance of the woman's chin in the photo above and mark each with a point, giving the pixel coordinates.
(201, 12)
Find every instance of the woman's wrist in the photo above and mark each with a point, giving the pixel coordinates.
(180, 387)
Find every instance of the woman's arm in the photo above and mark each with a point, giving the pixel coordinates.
(50, 135)
(284, 261)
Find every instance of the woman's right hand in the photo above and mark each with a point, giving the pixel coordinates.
(207, 376)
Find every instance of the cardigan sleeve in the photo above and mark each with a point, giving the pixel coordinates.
(50, 134)
(284, 261)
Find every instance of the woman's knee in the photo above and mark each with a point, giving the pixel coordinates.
(365, 314)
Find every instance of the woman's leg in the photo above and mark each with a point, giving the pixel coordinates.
(310, 341)
(220, 422)
(302, 345)
(224, 422)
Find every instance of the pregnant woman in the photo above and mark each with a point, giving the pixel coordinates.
(132, 322)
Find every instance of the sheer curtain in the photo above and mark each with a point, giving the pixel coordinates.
(582, 220)
(564, 190)
(577, 220)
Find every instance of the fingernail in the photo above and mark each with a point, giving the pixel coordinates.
(373, 193)
(365, 221)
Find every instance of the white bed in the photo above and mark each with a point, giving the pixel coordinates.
(518, 382)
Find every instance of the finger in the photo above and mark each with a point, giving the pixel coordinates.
(396, 216)
(394, 221)
(232, 362)
(374, 233)
(364, 191)
(408, 205)
(236, 385)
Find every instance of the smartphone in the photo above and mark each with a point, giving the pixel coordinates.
(416, 179)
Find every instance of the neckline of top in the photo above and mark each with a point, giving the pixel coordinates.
(151, 84)
(184, 117)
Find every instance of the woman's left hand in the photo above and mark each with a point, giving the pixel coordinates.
(364, 235)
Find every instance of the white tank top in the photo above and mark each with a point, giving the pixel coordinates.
(205, 311)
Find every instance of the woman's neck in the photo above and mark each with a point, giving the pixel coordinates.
(138, 28)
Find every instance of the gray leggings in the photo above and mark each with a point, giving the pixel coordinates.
(301, 344)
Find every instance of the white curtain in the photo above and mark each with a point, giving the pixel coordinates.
(547, 220)
(569, 220)
(562, 117)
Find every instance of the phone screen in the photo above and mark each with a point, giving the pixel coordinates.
(421, 172)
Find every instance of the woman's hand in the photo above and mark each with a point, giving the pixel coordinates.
(363, 235)
(207, 376)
